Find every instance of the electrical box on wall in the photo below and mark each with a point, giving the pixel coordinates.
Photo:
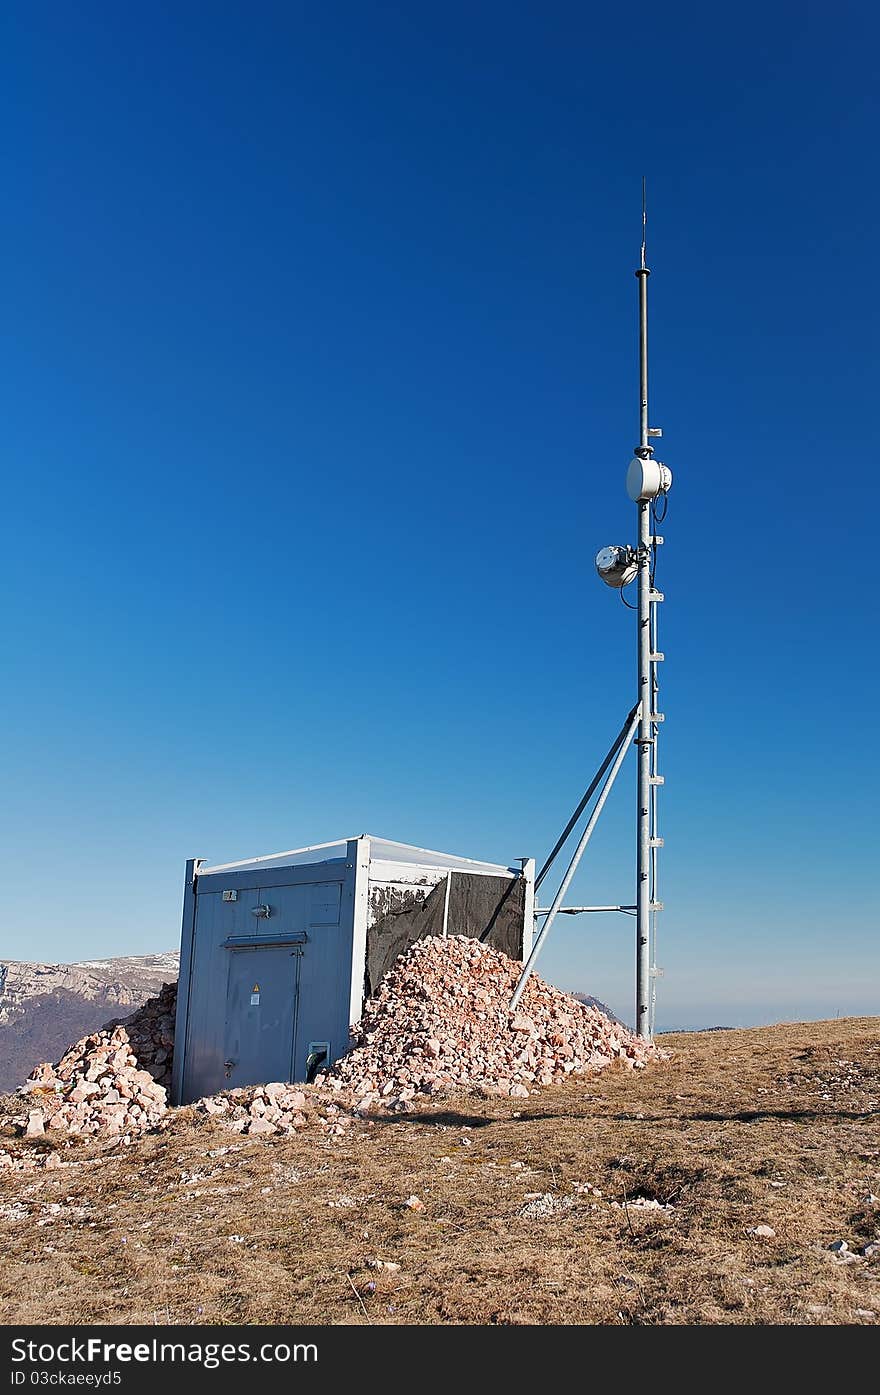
(317, 1059)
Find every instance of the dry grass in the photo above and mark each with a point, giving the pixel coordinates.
(739, 1129)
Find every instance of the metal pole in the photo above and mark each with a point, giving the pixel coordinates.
(582, 910)
(591, 788)
(573, 865)
(446, 903)
(654, 883)
(645, 694)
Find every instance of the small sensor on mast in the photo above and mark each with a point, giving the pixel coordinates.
(617, 566)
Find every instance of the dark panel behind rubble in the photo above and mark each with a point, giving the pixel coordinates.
(491, 909)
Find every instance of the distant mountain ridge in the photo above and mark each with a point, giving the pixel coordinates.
(589, 1001)
(45, 1007)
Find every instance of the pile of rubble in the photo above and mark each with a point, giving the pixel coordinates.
(151, 1033)
(441, 1020)
(273, 1109)
(97, 1087)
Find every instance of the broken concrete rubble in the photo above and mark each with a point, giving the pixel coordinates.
(97, 1087)
(441, 1021)
(276, 1108)
(150, 1033)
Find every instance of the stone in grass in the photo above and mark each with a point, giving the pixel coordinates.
(766, 1232)
(260, 1126)
(544, 1205)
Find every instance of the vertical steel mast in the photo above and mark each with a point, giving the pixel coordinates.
(646, 481)
(645, 693)
(646, 698)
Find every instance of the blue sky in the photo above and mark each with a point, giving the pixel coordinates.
(320, 386)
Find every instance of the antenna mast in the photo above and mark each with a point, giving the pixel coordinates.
(647, 728)
(646, 480)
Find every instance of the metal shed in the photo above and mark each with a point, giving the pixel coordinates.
(279, 953)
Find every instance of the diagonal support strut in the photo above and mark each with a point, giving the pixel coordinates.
(587, 834)
(591, 790)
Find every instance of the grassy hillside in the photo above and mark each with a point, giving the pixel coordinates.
(769, 1127)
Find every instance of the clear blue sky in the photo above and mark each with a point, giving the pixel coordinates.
(319, 377)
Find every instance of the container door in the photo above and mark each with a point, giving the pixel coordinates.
(322, 1018)
(261, 1008)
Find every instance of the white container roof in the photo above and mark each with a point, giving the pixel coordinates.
(381, 850)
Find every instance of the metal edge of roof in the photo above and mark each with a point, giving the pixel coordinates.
(271, 857)
(386, 843)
